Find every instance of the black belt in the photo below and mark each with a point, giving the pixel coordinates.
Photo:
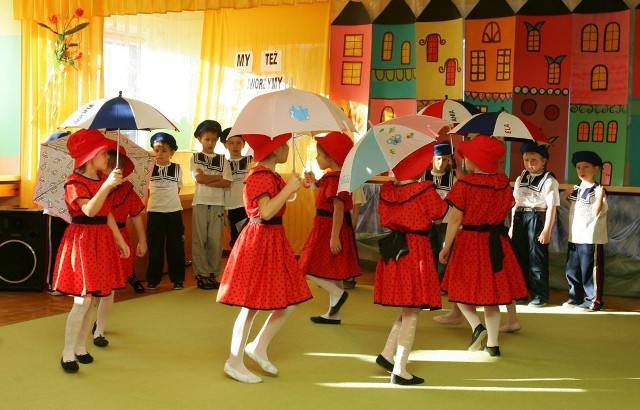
(495, 246)
(528, 209)
(88, 220)
(276, 220)
(347, 216)
(121, 224)
(394, 245)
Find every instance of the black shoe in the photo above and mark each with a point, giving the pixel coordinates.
(479, 333)
(206, 283)
(492, 350)
(152, 285)
(84, 358)
(384, 363)
(336, 308)
(70, 367)
(349, 283)
(100, 341)
(135, 284)
(323, 321)
(178, 286)
(395, 379)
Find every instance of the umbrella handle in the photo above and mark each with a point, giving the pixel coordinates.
(293, 198)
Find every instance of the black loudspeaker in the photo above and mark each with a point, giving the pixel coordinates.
(22, 249)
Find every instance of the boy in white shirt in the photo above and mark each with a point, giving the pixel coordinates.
(212, 174)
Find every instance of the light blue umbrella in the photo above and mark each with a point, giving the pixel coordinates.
(385, 145)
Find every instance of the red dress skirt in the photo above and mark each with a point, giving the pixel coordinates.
(412, 280)
(469, 278)
(84, 264)
(316, 258)
(262, 271)
(126, 203)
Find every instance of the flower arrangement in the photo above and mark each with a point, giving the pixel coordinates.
(67, 50)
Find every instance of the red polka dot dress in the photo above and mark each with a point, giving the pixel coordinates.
(412, 281)
(316, 258)
(262, 271)
(469, 278)
(84, 264)
(126, 203)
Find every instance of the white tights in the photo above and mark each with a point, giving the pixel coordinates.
(104, 311)
(400, 341)
(77, 329)
(335, 288)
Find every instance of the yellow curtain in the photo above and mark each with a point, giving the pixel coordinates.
(49, 95)
(41, 9)
(301, 32)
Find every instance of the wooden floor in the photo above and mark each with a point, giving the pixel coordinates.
(18, 307)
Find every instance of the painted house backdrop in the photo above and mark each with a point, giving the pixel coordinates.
(568, 71)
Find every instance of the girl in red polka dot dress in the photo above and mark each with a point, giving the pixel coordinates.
(482, 269)
(84, 265)
(262, 272)
(406, 274)
(126, 202)
(329, 255)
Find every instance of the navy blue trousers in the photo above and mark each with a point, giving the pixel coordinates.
(585, 274)
(165, 231)
(532, 256)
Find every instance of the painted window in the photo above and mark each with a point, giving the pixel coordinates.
(590, 38)
(533, 40)
(503, 71)
(433, 45)
(612, 37)
(387, 46)
(612, 131)
(598, 131)
(351, 73)
(450, 69)
(405, 54)
(599, 78)
(583, 132)
(386, 114)
(491, 33)
(353, 45)
(478, 66)
(553, 73)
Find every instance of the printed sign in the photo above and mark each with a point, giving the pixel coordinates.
(244, 61)
(271, 60)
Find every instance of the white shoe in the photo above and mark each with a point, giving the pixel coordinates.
(266, 365)
(241, 377)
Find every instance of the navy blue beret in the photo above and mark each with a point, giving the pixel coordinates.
(532, 146)
(443, 148)
(225, 134)
(586, 156)
(166, 138)
(208, 125)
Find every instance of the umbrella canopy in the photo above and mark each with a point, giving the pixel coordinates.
(385, 145)
(501, 124)
(455, 111)
(290, 110)
(118, 113)
(56, 164)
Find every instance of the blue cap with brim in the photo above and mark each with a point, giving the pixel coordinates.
(164, 137)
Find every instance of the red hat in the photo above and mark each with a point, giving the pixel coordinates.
(263, 145)
(336, 144)
(484, 151)
(414, 164)
(84, 144)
